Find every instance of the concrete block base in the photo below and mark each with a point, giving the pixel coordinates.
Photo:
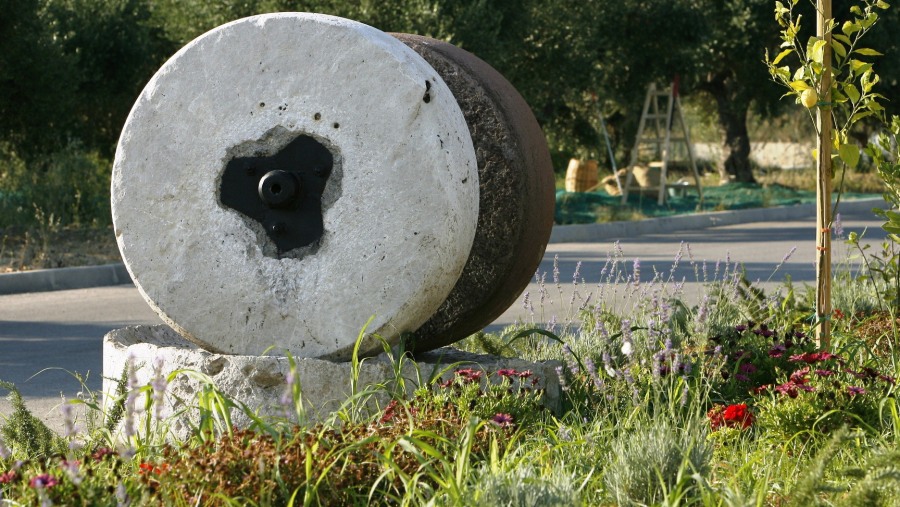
(259, 382)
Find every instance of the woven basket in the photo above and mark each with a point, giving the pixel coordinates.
(581, 175)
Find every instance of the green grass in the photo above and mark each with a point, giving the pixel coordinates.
(666, 401)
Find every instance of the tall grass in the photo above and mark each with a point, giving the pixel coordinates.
(718, 401)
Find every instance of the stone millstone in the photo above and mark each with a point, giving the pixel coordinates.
(517, 188)
(398, 209)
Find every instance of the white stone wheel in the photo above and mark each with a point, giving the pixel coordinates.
(277, 104)
(517, 195)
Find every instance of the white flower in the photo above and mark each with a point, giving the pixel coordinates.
(627, 348)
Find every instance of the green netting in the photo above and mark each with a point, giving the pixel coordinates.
(599, 206)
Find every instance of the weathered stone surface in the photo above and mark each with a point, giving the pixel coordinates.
(259, 382)
(399, 210)
(517, 188)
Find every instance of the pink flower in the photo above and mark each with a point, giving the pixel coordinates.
(43, 481)
(8, 477)
(777, 350)
(741, 377)
(812, 357)
(853, 391)
(503, 420)
(525, 374)
(824, 373)
(507, 372)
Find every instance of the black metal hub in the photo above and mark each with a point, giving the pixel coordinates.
(282, 192)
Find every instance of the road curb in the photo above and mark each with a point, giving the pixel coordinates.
(43, 280)
(621, 230)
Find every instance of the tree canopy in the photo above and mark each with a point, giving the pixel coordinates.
(70, 69)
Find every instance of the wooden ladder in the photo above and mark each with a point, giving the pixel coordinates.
(660, 125)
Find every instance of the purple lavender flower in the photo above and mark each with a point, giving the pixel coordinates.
(592, 372)
(562, 378)
(637, 271)
(702, 310)
(838, 226)
(159, 385)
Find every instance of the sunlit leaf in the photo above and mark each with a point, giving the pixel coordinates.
(868, 52)
(851, 92)
(799, 85)
(781, 56)
(850, 28)
(838, 48)
(849, 154)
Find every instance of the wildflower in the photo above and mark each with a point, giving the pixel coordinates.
(526, 303)
(853, 390)
(741, 377)
(43, 481)
(761, 389)
(888, 379)
(748, 368)
(838, 226)
(607, 365)
(503, 420)
(812, 357)
(738, 415)
(702, 310)
(8, 477)
(507, 372)
(564, 433)
(732, 416)
(824, 373)
(525, 374)
(469, 375)
(102, 453)
(159, 385)
(287, 397)
(778, 350)
(72, 469)
(389, 412)
(838, 314)
(562, 379)
(627, 346)
(684, 393)
(592, 372)
(799, 376)
(637, 271)
(788, 388)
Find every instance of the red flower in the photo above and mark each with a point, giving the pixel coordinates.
(507, 372)
(733, 416)
(838, 314)
(738, 415)
(103, 452)
(469, 375)
(43, 481)
(8, 477)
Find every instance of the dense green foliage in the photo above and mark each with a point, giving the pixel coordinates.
(70, 70)
(719, 399)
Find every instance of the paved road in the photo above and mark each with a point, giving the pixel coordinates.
(44, 334)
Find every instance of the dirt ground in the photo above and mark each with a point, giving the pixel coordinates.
(24, 249)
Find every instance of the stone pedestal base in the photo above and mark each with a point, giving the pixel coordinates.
(259, 382)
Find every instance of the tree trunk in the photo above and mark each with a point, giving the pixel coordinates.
(732, 109)
(735, 163)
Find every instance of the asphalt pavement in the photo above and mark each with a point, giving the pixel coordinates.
(50, 342)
